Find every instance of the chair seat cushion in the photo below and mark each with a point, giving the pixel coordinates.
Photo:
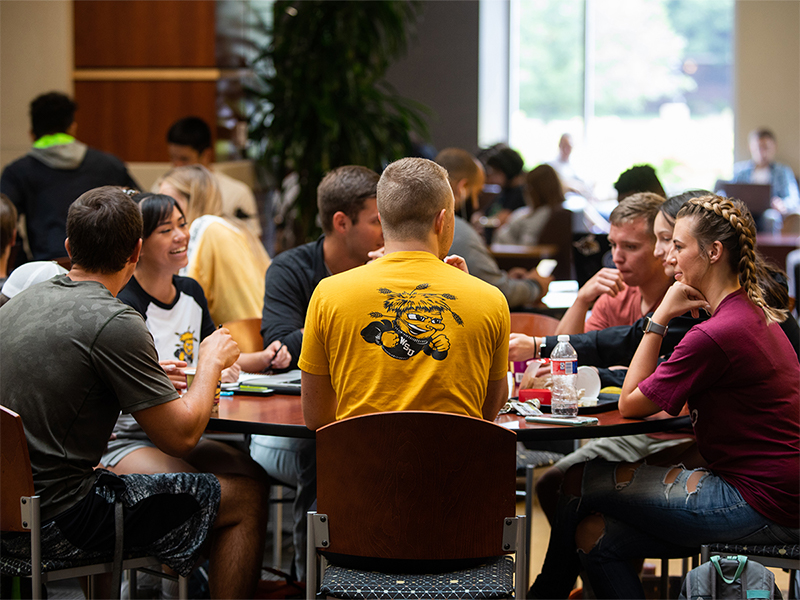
(494, 579)
(777, 551)
(537, 458)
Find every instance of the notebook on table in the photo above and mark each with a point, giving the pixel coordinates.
(283, 383)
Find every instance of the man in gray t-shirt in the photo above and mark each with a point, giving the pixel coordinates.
(72, 356)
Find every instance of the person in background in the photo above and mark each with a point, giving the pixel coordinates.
(225, 258)
(43, 183)
(8, 234)
(738, 376)
(519, 286)
(622, 295)
(544, 196)
(638, 179)
(351, 230)
(504, 167)
(762, 168)
(92, 357)
(189, 142)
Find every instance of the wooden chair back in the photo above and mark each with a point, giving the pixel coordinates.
(558, 232)
(533, 324)
(16, 479)
(246, 333)
(791, 224)
(416, 485)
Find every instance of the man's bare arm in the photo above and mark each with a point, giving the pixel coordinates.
(605, 281)
(318, 399)
(496, 397)
(175, 427)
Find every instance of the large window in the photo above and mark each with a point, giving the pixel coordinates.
(633, 81)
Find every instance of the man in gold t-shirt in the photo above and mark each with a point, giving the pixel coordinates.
(407, 331)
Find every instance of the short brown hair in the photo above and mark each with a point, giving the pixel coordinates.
(103, 227)
(411, 192)
(8, 221)
(345, 189)
(459, 164)
(643, 205)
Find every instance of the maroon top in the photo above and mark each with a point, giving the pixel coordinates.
(741, 380)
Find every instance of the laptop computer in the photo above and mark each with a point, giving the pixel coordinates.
(283, 383)
(757, 196)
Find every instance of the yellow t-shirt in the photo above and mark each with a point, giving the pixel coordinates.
(407, 332)
(229, 267)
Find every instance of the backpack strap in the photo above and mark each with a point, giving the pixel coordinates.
(742, 562)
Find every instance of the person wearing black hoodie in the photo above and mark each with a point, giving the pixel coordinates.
(43, 183)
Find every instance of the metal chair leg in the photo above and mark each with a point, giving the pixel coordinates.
(528, 521)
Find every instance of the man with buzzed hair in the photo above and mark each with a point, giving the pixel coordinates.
(623, 295)
(351, 230)
(466, 176)
(409, 315)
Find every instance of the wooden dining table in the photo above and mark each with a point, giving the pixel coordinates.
(282, 415)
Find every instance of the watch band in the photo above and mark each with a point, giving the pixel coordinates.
(651, 326)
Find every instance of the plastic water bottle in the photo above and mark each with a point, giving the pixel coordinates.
(564, 367)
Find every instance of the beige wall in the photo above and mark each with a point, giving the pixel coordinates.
(767, 75)
(35, 57)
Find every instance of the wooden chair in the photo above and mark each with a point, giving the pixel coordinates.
(791, 224)
(20, 512)
(246, 333)
(415, 488)
(558, 232)
(533, 324)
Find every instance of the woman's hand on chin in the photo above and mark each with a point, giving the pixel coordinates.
(680, 298)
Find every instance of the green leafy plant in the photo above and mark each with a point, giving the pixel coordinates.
(321, 100)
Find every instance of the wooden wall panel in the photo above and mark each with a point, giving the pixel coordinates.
(130, 118)
(144, 33)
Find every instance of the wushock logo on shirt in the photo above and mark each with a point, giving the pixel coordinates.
(414, 324)
(185, 347)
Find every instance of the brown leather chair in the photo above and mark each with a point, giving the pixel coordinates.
(533, 324)
(19, 512)
(422, 488)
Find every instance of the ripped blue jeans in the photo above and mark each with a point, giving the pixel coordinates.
(644, 516)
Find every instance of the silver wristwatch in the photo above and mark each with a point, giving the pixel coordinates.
(652, 326)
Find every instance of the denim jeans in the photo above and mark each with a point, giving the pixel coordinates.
(291, 461)
(645, 517)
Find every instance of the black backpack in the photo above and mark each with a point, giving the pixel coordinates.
(730, 577)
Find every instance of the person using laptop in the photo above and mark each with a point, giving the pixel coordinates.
(762, 168)
(351, 230)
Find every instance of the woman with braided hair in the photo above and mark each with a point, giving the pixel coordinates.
(740, 378)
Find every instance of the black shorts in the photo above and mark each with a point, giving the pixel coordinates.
(168, 515)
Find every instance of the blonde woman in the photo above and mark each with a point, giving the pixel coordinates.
(227, 260)
(739, 376)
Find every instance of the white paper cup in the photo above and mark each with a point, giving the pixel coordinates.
(589, 381)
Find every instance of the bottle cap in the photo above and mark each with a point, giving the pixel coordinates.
(563, 338)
